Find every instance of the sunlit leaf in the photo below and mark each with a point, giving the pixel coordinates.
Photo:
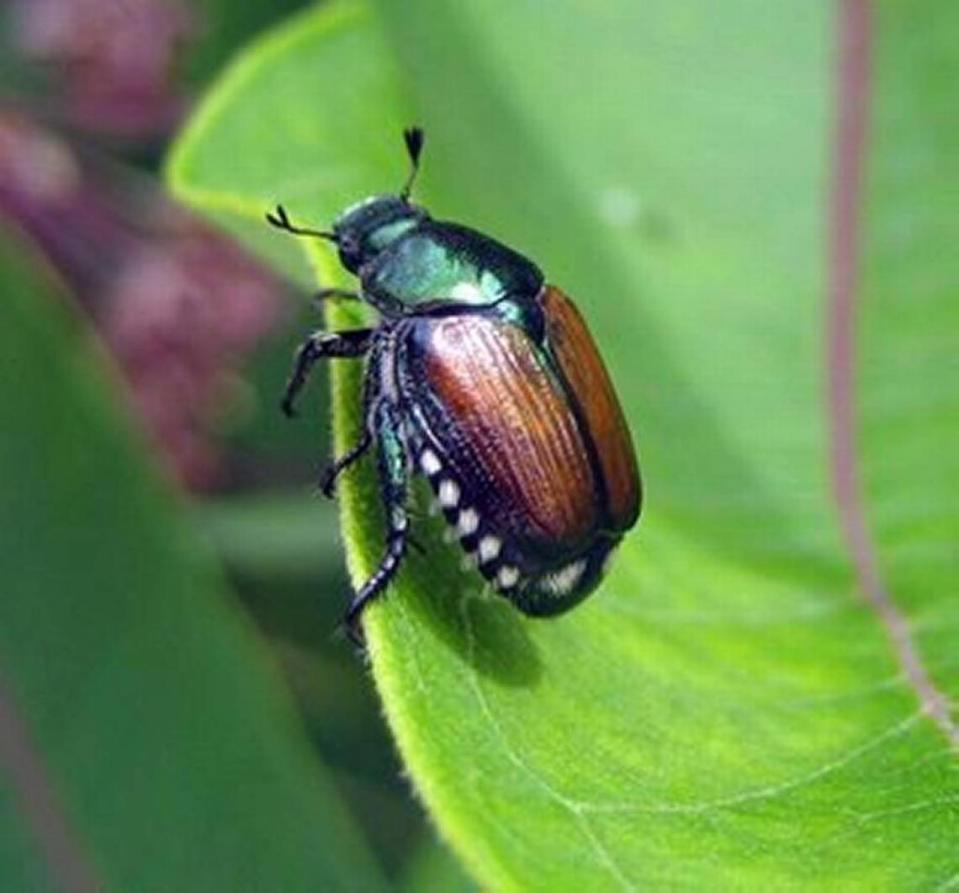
(747, 700)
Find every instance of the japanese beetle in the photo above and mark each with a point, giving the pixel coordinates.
(484, 378)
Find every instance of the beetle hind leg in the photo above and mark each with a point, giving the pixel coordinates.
(338, 466)
(389, 564)
(393, 486)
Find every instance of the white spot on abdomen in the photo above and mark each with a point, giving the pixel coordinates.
(467, 522)
(449, 494)
(430, 463)
(507, 576)
(564, 581)
(489, 547)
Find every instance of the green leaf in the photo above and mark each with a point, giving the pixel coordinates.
(753, 699)
(145, 740)
(432, 867)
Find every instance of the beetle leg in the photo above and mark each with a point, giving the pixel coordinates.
(322, 345)
(393, 485)
(338, 466)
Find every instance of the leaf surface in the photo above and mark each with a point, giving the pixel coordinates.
(739, 703)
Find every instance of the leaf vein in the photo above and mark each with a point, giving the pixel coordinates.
(767, 792)
(850, 152)
(575, 808)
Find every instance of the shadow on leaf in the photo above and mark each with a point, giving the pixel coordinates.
(482, 629)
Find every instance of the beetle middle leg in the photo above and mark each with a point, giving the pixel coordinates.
(319, 346)
(393, 485)
(340, 464)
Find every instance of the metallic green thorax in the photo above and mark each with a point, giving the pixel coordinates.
(405, 258)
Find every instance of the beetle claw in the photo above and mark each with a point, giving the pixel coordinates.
(353, 630)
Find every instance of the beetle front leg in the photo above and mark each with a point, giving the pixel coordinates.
(393, 487)
(319, 346)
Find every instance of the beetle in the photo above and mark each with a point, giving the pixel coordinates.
(484, 378)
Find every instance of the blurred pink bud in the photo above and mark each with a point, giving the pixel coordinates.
(182, 313)
(180, 306)
(115, 58)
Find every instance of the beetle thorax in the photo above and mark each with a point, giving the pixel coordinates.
(363, 230)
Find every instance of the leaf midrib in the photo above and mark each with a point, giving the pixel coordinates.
(854, 88)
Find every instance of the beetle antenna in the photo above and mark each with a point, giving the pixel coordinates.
(414, 139)
(281, 220)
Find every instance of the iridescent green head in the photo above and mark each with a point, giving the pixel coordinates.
(363, 230)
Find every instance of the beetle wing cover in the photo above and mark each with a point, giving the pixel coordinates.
(591, 388)
(503, 422)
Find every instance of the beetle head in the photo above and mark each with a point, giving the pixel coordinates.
(364, 230)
